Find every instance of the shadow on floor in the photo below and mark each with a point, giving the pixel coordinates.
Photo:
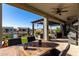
(53, 52)
(43, 44)
(63, 41)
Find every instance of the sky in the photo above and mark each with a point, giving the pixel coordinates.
(15, 17)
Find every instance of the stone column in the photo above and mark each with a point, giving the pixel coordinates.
(33, 29)
(45, 23)
(62, 30)
(28, 31)
(0, 21)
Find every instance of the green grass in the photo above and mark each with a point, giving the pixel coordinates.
(7, 36)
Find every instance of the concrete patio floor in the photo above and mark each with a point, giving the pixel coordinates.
(60, 44)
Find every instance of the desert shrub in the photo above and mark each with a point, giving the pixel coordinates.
(58, 30)
(38, 32)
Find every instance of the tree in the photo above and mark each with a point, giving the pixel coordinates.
(38, 32)
(58, 30)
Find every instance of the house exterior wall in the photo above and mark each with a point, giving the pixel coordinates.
(22, 29)
(9, 29)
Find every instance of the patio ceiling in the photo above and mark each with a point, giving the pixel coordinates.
(45, 9)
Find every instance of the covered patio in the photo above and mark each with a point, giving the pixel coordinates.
(49, 24)
(66, 20)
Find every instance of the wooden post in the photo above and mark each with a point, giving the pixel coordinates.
(33, 29)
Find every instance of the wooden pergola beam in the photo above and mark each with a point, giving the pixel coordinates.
(36, 21)
(27, 7)
(40, 21)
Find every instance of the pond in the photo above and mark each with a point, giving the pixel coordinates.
(15, 36)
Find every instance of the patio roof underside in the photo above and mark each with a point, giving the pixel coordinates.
(40, 21)
(45, 10)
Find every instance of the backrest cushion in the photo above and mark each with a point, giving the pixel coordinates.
(15, 41)
(30, 39)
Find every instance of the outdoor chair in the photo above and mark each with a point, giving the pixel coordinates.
(56, 52)
(14, 41)
(23, 40)
(31, 38)
(64, 52)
